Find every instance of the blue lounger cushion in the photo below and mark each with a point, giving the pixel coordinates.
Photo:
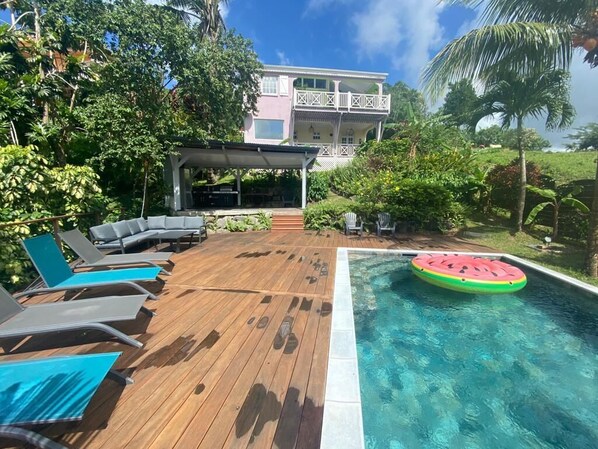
(52, 389)
(104, 277)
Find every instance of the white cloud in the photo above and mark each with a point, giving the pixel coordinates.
(282, 58)
(405, 33)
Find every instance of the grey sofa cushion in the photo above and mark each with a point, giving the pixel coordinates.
(121, 229)
(157, 222)
(133, 226)
(193, 223)
(142, 222)
(103, 232)
(175, 222)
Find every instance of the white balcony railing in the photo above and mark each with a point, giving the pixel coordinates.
(329, 150)
(345, 101)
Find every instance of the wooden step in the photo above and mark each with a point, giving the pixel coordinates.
(287, 223)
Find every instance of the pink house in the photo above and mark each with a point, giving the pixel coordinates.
(331, 109)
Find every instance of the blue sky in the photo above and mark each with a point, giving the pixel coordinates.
(390, 36)
(394, 36)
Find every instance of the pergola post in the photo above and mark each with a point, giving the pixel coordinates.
(239, 187)
(176, 182)
(379, 131)
(176, 164)
(304, 183)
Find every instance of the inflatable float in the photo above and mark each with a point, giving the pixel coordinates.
(468, 274)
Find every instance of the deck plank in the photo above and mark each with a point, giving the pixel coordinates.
(211, 374)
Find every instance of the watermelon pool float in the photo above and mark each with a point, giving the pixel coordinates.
(468, 274)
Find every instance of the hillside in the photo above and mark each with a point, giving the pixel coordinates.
(563, 167)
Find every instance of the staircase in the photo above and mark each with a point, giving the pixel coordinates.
(287, 222)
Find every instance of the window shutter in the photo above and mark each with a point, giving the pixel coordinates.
(283, 85)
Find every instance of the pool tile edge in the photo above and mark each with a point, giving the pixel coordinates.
(342, 424)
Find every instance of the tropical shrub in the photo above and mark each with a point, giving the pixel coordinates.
(504, 183)
(327, 214)
(317, 186)
(421, 204)
(31, 190)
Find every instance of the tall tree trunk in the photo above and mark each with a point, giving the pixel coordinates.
(522, 175)
(592, 244)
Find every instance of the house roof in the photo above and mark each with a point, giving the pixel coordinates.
(333, 73)
(217, 154)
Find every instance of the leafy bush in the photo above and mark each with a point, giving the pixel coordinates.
(32, 190)
(317, 186)
(233, 225)
(504, 182)
(344, 180)
(421, 204)
(327, 214)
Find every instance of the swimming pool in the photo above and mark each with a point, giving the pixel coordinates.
(442, 369)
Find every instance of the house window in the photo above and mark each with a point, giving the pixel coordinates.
(311, 83)
(269, 129)
(270, 85)
(347, 140)
(316, 135)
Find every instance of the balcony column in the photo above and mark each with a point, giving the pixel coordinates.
(337, 83)
(379, 131)
(380, 88)
(336, 130)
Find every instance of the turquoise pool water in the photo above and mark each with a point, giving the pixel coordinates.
(441, 369)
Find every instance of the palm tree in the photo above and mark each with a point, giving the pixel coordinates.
(206, 12)
(515, 97)
(524, 36)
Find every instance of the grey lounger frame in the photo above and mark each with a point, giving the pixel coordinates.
(93, 257)
(17, 320)
(45, 244)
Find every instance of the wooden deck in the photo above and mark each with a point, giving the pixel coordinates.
(236, 356)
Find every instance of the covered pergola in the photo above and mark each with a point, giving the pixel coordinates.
(196, 155)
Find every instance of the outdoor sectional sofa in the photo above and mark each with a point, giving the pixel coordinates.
(126, 233)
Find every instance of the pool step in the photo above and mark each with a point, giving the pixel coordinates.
(287, 223)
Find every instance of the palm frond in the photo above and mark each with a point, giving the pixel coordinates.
(521, 47)
(500, 11)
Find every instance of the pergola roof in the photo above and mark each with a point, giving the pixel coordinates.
(216, 154)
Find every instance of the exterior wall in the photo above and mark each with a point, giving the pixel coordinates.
(273, 107)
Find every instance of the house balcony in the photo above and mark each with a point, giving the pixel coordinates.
(340, 150)
(340, 101)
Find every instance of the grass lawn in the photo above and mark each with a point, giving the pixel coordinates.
(495, 233)
(563, 167)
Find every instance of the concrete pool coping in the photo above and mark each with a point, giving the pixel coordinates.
(342, 426)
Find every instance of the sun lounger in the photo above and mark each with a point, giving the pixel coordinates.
(50, 390)
(58, 276)
(93, 257)
(17, 320)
